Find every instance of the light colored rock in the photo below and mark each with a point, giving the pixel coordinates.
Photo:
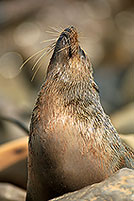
(119, 187)
(9, 192)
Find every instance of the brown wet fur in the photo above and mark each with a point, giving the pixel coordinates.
(72, 141)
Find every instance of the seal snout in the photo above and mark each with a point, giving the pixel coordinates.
(71, 33)
(67, 44)
(68, 40)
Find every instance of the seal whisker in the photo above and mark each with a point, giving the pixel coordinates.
(52, 44)
(29, 58)
(47, 51)
(37, 69)
(49, 40)
(54, 33)
(54, 29)
(36, 72)
(61, 28)
(63, 48)
(39, 59)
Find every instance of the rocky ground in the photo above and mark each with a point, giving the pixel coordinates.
(119, 187)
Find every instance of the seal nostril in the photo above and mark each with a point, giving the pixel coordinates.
(72, 27)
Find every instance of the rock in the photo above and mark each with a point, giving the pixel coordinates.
(119, 187)
(9, 192)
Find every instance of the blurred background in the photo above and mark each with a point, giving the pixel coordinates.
(106, 33)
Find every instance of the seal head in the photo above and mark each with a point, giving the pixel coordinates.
(69, 55)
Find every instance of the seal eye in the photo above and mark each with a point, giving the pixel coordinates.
(83, 54)
(65, 39)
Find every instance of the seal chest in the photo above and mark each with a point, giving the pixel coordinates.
(72, 142)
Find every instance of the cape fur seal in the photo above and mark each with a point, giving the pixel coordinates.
(72, 141)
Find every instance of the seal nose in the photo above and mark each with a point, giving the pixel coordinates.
(71, 33)
(67, 42)
(70, 29)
